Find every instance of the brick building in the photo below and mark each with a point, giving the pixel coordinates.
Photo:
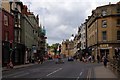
(7, 35)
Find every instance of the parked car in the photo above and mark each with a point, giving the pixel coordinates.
(70, 58)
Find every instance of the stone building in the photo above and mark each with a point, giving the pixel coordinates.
(83, 36)
(103, 30)
(67, 48)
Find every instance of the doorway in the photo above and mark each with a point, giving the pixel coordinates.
(104, 52)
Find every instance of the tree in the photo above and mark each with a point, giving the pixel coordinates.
(54, 47)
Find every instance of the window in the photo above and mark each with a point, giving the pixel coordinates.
(104, 35)
(104, 12)
(15, 35)
(6, 20)
(66, 46)
(104, 23)
(118, 35)
(16, 18)
(118, 9)
(6, 36)
(118, 21)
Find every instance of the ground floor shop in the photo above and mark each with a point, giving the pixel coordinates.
(108, 50)
(15, 53)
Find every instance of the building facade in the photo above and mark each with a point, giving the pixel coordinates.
(27, 33)
(67, 48)
(14, 7)
(42, 50)
(29, 39)
(7, 36)
(103, 30)
(83, 36)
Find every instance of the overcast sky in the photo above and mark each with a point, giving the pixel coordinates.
(61, 18)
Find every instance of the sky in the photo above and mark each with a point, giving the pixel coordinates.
(62, 18)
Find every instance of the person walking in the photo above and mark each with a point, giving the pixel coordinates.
(98, 58)
(105, 61)
(10, 65)
(93, 58)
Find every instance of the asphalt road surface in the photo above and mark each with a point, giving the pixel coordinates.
(74, 70)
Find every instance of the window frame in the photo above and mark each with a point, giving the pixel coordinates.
(7, 36)
(104, 23)
(6, 20)
(104, 37)
(118, 9)
(118, 22)
(104, 12)
(118, 36)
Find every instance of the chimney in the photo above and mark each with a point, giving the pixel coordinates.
(109, 3)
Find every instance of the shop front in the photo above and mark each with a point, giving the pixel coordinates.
(109, 50)
(105, 50)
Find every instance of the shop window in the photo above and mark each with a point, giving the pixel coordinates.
(118, 35)
(117, 52)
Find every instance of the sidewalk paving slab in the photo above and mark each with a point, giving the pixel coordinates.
(104, 72)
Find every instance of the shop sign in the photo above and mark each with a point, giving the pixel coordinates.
(104, 45)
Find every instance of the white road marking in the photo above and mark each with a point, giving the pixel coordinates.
(54, 72)
(79, 75)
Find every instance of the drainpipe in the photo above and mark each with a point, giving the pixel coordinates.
(97, 38)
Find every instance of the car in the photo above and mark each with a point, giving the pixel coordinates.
(70, 58)
(59, 61)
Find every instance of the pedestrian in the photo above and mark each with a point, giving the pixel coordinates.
(90, 58)
(93, 58)
(10, 65)
(41, 59)
(105, 60)
(98, 58)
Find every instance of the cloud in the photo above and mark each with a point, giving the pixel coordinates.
(61, 18)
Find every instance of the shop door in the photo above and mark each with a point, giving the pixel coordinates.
(104, 52)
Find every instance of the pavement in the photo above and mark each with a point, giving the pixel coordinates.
(100, 71)
(104, 72)
(18, 66)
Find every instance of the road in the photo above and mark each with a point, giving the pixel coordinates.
(73, 70)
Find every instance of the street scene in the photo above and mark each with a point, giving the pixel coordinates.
(59, 40)
(73, 70)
